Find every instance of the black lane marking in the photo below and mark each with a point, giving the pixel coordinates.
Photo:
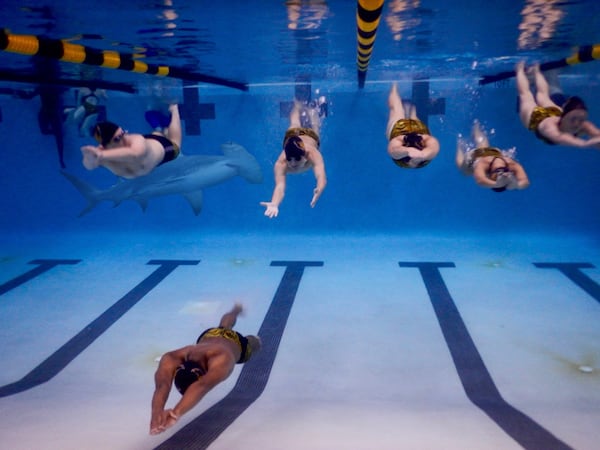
(474, 376)
(56, 362)
(43, 266)
(572, 272)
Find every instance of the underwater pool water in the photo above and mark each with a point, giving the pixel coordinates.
(408, 309)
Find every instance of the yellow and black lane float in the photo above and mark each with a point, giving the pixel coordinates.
(368, 15)
(585, 53)
(63, 50)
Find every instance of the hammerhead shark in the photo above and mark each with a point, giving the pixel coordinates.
(186, 175)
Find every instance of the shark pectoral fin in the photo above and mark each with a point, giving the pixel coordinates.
(143, 204)
(195, 201)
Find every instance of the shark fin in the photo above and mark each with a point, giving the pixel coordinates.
(143, 204)
(246, 164)
(195, 201)
(88, 191)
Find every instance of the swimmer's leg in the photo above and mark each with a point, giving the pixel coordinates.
(396, 109)
(542, 95)
(174, 129)
(315, 119)
(526, 100)
(228, 320)
(460, 159)
(479, 136)
(295, 115)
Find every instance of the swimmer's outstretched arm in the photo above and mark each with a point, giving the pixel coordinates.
(272, 207)
(94, 157)
(431, 148)
(163, 378)
(568, 139)
(320, 176)
(219, 368)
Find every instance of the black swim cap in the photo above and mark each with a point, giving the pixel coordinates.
(573, 103)
(294, 148)
(104, 132)
(187, 373)
(500, 189)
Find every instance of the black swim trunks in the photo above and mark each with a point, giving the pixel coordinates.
(171, 149)
(233, 336)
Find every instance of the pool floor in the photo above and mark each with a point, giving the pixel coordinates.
(387, 342)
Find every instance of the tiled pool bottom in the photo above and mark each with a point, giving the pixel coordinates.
(388, 342)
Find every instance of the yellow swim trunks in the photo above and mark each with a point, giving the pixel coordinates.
(302, 132)
(405, 126)
(540, 113)
(233, 336)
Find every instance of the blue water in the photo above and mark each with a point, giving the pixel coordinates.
(360, 323)
(366, 193)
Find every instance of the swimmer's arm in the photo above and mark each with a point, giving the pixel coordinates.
(590, 129)
(279, 171)
(219, 368)
(481, 178)
(522, 180)
(398, 151)
(163, 377)
(135, 150)
(320, 176)
(569, 140)
(431, 149)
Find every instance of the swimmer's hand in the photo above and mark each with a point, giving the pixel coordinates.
(507, 180)
(91, 156)
(316, 194)
(272, 209)
(163, 420)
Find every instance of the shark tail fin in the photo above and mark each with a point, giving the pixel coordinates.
(88, 191)
(246, 164)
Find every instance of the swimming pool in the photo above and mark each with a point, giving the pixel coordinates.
(408, 309)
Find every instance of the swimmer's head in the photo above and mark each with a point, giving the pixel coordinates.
(104, 132)
(409, 163)
(573, 115)
(414, 140)
(187, 373)
(573, 103)
(294, 148)
(498, 166)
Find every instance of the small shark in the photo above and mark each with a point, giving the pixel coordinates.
(186, 175)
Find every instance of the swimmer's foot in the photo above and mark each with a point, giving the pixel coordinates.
(157, 120)
(320, 105)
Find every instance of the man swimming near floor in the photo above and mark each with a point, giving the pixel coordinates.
(131, 155)
(196, 369)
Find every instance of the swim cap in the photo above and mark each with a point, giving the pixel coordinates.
(573, 103)
(500, 189)
(187, 373)
(104, 132)
(294, 148)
